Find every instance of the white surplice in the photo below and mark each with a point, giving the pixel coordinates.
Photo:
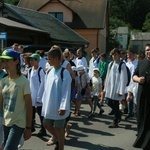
(115, 82)
(56, 94)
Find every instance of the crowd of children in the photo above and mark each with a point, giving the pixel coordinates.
(50, 85)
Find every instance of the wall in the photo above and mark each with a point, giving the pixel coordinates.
(58, 7)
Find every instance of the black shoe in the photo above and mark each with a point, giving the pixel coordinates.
(125, 111)
(101, 111)
(113, 125)
(91, 115)
(120, 115)
(42, 132)
(57, 146)
(111, 113)
(128, 117)
(33, 130)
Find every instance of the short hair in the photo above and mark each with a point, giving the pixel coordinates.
(103, 55)
(55, 51)
(148, 44)
(115, 50)
(131, 51)
(40, 52)
(141, 54)
(21, 46)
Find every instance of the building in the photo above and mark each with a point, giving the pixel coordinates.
(28, 26)
(139, 40)
(122, 37)
(87, 18)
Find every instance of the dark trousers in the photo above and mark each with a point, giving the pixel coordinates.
(38, 110)
(114, 104)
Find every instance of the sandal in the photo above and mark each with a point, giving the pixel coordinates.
(51, 141)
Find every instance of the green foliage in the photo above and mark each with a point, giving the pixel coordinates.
(111, 43)
(130, 11)
(115, 23)
(14, 2)
(146, 25)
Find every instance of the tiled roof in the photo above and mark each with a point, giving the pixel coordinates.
(43, 21)
(140, 36)
(87, 13)
(15, 24)
(122, 30)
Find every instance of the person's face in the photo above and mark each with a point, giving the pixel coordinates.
(130, 56)
(66, 56)
(94, 54)
(116, 57)
(96, 73)
(81, 72)
(79, 53)
(20, 50)
(9, 64)
(33, 62)
(15, 47)
(52, 60)
(102, 58)
(147, 52)
(123, 56)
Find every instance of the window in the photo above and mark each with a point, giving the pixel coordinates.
(58, 15)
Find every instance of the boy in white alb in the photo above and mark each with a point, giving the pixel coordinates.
(36, 76)
(56, 98)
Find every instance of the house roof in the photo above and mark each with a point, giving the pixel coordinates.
(122, 30)
(43, 21)
(11, 23)
(140, 36)
(87, 13)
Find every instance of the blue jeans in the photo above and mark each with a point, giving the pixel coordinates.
(12, 136)
(114, 104)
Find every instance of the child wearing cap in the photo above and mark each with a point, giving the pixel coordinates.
(96, 92)
(15, 99)
(2, 75)
(36, 76)
(85, 85)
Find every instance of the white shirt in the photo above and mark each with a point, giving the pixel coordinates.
(95, 85)
(56, 95)
(37, 87)
(93, 63)
(82, 62)
(42, 63)
(131, 65)
(115, 82)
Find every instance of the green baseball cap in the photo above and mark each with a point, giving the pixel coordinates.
(35, 56)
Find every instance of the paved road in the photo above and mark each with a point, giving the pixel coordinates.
(91, 134)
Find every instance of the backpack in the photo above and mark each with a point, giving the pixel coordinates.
(38, 73)
(119, 69)
(61, 73)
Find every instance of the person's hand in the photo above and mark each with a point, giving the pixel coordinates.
(128, 98)
(61, 112)
(76, 95)
(141, 80)
(27, 134)
(119, 94)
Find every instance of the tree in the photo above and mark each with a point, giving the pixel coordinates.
(146, 25)
(13, 2)
(130, 11)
